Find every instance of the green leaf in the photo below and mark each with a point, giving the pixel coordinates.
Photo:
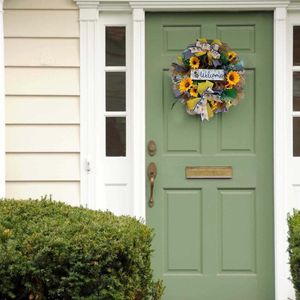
(223, 59)
(186, 62)
(230, 93)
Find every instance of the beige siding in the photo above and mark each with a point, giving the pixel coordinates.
(62, 191)
(42, 109)
(42, 99)
(41, 23)
(39, 4)
(42, 52)
(42, 167)
(42, 138)
(41, 81)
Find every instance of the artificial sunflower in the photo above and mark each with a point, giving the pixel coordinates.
(233, 78)
(194, 90)
(231, 56)
(194, 62)
(185, 84)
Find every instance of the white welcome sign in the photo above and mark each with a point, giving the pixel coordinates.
(208, 74)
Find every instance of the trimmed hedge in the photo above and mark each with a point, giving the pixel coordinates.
(294, 250)
(50, 250)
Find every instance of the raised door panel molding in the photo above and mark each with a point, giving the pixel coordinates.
(183, 230)
(173, 124)
(237, 225)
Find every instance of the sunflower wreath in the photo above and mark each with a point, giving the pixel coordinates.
(208, 78)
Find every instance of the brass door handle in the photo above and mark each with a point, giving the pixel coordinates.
(152, 172)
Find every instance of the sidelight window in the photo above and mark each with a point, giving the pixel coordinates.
(296, 90)
(115, 90)
(113, 138)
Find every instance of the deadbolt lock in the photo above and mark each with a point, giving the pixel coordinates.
(152, 148)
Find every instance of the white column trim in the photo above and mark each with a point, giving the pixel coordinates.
(2, 107)
(280, 156)
(139, 112)
(88, 38)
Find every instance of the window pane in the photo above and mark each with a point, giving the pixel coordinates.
(296, 46)
(115, 91)
(115, 46)
(296, 91)
(115, 136)
(296, 136)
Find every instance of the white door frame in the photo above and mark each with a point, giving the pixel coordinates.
(89, 15)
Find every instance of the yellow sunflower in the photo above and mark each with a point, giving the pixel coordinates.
(233, 78)
(231, 56)
(194, 62)
(185, 84)
(194, 90)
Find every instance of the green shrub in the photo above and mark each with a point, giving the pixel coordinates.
(49, 250)
(294, 250)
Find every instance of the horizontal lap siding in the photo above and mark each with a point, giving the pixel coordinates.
(39, 4)
(42, 166)
(59, 190)
(42, 99)
(42, 52)
(41, 23)
(42, 138)
(42, 110)
(42, 81)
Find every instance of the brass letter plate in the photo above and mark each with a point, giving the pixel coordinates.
(208, 172)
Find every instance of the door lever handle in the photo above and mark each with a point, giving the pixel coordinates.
(152, 172)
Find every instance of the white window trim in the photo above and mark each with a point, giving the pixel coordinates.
(112, 165)
(2, 107)
(89, 13)
(293, 163)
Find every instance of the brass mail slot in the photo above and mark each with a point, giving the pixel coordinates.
(208, 172)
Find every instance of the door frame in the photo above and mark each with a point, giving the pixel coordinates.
(89, 16)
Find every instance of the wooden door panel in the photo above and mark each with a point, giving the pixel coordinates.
(237, 243)
(183, 219)
(213, 237)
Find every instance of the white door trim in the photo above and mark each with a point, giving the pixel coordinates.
(138, 8)
(2, 107)
(205, 5)
(89, 16)
(139, 118)
(283, 291)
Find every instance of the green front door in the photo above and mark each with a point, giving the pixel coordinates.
(213, 237)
